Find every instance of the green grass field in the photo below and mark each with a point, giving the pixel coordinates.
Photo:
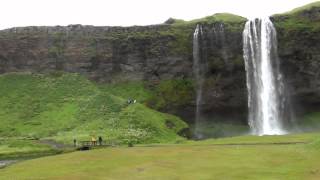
(190, 160)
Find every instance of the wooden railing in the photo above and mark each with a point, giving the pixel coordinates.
(86, 145)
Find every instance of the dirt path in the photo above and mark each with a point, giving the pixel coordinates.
(5, 163)
(55, 144)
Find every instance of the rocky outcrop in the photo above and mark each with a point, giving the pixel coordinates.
(101, 53)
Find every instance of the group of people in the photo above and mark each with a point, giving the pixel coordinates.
(132, 101)
(94, 141)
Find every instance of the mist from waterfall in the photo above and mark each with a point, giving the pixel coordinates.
(266, 97)
(198, 71)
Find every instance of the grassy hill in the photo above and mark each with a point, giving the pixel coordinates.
(65, 106)
(218, 17)
(302, 19)
(304, 8)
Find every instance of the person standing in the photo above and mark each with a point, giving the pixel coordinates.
(93, 141)
(100, 140)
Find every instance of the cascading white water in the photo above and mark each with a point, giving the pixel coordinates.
(264, 81)
(198, 73)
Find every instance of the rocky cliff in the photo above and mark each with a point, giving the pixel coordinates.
(162, 52)
(298, 47)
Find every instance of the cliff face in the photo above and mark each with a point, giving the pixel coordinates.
(225, 94)
(160, 52)
(150, 53)
(298, 47)
(101, 53)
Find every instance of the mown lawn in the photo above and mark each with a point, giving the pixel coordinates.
(197, 160)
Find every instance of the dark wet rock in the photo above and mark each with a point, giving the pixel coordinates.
(186, 132)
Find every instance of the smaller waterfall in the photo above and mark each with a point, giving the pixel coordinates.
(266, 99)
(220, 39)
(199, 69)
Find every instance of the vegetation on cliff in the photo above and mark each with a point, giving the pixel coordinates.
(183, 30)
(64, 106)
(304, 18)
(176, 35)
(306, 7)
(218, 17)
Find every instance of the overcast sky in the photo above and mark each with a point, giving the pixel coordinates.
(129, 12)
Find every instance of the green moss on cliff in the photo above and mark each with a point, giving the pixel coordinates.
(181, 35)
(298, 33)
(297, 23)
(182, 31)
(175, 34)
(220, 17)
(165, 95)
(172, 94)
(304, 18)
(129, 90)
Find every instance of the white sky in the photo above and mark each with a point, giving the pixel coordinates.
(129, 12)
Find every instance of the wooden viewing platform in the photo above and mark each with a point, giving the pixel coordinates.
(87, 145)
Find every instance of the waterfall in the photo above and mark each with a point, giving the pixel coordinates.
(198, 71)
(266, 99)
(220, 40)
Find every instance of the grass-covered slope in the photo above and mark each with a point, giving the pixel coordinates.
(218, 17)
(163, 95)
(305, 18)
(304, 8)
(66, 106)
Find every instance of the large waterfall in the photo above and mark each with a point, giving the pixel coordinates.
(198, 71)
(266, 98)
